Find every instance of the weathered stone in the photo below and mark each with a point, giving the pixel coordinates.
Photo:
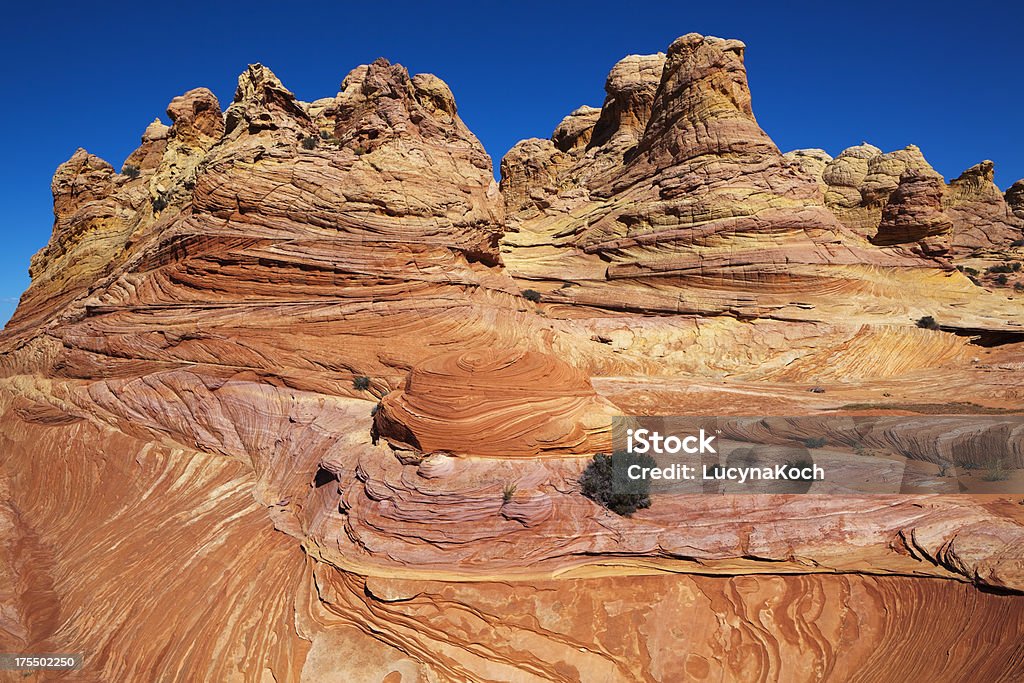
(312, 362)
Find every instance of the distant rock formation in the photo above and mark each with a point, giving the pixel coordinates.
(898, 198)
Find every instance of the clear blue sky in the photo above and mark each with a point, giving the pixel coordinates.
(942, 75)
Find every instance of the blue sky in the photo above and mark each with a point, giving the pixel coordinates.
(942, 75)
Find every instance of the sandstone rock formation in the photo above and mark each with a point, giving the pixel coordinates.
(1015, 199)
(282, 406)
(898, 198)
(533, 405)
(691, 203)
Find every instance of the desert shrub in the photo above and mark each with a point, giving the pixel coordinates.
(360, 150)
(1018, 287)
(1001, 279)
(1001, 268)
(996, 472)
(508, 492)
(531, 295)
(802, 464)
(325, 135)
(361, 383)
(1017, 243)
(815, 442)
(598, 482)
(130, 171)
(309, 142)
(159, 204)
(927, 322)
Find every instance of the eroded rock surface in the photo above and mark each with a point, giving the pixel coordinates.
(302, 396)
(898, 198)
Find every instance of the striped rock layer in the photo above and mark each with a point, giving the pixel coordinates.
(303, 394)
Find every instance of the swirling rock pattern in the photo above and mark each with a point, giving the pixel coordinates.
(506, 404)
(278, 406)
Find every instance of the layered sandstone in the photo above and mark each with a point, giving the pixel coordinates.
(293, 362)
(691, 208)
(503, 403)
(898, 198)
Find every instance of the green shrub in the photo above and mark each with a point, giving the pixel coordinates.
(927, 322)
(309, 142)
(1001, 268)
(621, 495)
(803, 465)
(996, 472)
(1001, 279)
(1017, 243)
(531, 295)
(815, 442)
(130, 171)
(361, 383)
(159, 204)
(508, 492)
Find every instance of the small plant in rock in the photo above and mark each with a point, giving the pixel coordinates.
(1017, 243)
(815, 442)
(325, 135)
(1001, 279)
(531, 295)
(927, 322)
(605, 482)
(361, 383)
(309, 142)
(508, 493)
(159, 204)
(130, 171)
(805, 466)
(996, 472)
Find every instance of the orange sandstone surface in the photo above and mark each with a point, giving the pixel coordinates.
(304, 395)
